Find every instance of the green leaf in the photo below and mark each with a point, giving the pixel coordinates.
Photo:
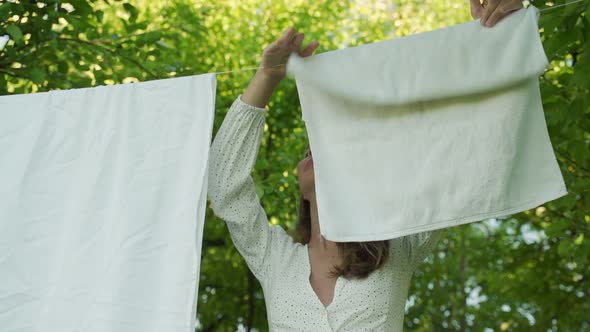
(581, 256)
(564, 248)
(580, 151)
(580, 239)
(149, 38)
(14, 32)
(99, 15)
(63, 67)
(556, 228)
(5, 11)
(38, 75)
(131, 10)
(81, 7)
(568, 201)
(53, 44)
(161, 43)
(79, 24)
(582, 70)
(549, 23)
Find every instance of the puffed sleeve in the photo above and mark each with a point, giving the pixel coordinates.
(412, 249)
(231, 189)
(419, 245)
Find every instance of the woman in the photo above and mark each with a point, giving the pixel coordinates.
(311, 284)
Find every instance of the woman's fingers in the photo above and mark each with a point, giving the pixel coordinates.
(288, 30)
(476, 9)
(502, 11)
(297, 40)
(307, 51)
(285, 40)
(490, 7)
(287, 35)
(291, 41)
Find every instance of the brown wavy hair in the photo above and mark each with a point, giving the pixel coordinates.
(359, 259)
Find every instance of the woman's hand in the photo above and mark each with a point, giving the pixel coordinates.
(274, 58)
(275, 55)
(492, 11)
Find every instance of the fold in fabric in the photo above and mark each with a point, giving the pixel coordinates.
(102, 206)
(428, 131)
(455, 61)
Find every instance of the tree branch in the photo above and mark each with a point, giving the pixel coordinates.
(107, 41)
(563, 154)
(10, 73)
(108, 50)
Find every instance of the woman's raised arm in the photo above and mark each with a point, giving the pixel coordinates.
(231, 160)
(273, 70)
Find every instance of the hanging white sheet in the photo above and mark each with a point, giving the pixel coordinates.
(102, 205)
(428, 131)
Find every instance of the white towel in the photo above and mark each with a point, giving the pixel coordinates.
(428, 131)
(102, 204)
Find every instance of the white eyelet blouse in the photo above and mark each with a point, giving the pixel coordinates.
(282, 266)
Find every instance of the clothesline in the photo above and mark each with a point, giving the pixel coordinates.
(565, 4)
(255, 68)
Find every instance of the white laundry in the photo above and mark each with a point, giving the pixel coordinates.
(102, 206)
(428, 131)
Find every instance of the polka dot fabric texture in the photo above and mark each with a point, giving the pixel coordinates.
(282, 266)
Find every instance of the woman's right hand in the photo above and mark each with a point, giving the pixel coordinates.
(274, 59)
(275, 55)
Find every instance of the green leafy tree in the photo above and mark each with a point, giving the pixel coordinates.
(525, 272)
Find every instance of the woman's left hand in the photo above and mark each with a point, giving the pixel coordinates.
(491, 11)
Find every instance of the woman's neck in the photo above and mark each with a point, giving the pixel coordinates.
(316, 240)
